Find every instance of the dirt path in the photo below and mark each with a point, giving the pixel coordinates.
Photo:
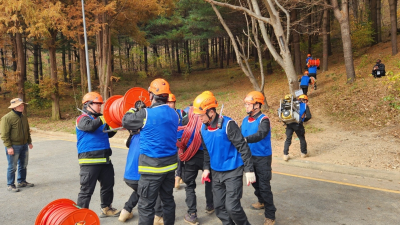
(332, 144)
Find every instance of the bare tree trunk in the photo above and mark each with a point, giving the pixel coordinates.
(14, 53)
(325, 40)
(328, 30)
(69, 64)
(145, 59)
(269, 62)
(373, 16)
(187, 55)
(119, 55)
(64, 65)
(96, 76)
(36, 63)
(228, 55)
(103, 39)
(393, 25)
(207, 55)
(3, 65)
(21, 69)
(40, 63)
(343, 17)
(296, 43)
(355, 9)
(221, 52)
(55, 115)
(379, 20)
(177, 57)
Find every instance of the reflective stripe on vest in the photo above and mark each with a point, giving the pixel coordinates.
(150, 169)
(92, 160)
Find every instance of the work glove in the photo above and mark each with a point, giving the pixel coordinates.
(250, 177)
(133, 110)
(102, 119)
(205, 176)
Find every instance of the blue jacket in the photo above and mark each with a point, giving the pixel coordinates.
(223, 154)
(263, 147)
(305, 80)
(132, 159)
(179, 112)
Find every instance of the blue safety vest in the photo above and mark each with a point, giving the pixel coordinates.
(303, 107)
(179, 112)
(311, 69)
(223, 154)
(305, 81)
(159, 132)
(92, 141)
(132, 160)
(263, 147)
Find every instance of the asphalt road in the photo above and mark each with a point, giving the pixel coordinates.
(302, 196)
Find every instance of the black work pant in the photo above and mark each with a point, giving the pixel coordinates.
(305, 89)
(134, 198)
(149, 187)
(159, 207)
(227, 195)
(300, 132)
(262, 186)
(89, 175)
(190, 170)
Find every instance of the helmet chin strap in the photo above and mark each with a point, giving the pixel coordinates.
(209, 118)
(249, 113)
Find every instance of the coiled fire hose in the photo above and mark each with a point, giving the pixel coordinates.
(185, 152)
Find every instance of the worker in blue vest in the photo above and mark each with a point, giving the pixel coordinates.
(94, 155)
(305, 81)
(226, 156)
(158, 126)
(256, 129)
(312, 71)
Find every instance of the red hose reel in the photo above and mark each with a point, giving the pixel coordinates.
(66, 212)
(117, 105)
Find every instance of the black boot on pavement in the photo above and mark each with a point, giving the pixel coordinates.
(192, 218)
(209, 209)
(25, 184)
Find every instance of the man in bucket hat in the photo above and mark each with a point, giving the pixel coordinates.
(16, 137)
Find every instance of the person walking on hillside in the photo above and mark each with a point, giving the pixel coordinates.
(94, 155)
(312, 70)
(379, 69)
(192, 154)
(226, 155)
(256, 130)
(17, 139)
(158, 126)
(298, 128)
(304, 82)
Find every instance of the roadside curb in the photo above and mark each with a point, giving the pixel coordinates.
(364, 172)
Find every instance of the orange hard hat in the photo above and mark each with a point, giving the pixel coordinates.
(171, 98)
(308, 55)
(203, 102)
(207, 92)
(159, 86)
(254, 97)
(305, 72)
(303, 97)
(92, 97)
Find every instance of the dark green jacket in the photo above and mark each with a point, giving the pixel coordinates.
(15, 130)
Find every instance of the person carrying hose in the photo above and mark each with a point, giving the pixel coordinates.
(312, 70)
(226, 156)
(94, 155)
(158, 126)
(192, 154)
(256, 129)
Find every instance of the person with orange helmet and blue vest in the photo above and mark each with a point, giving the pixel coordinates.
(158, 125)
(94, 155)
(256, 130)
(226, 156)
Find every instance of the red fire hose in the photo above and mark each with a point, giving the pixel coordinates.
(117, 105)
(194, 125)
(65, 212)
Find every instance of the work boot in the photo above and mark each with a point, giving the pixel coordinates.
(268, 221)
(192, 218)
(303, 155)
(286, 157)
(25, 184)
(209, 209)
(125, 215)
(109, 212)
(257, 206)
(158, 220)
(12, 188)
(177, 182)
